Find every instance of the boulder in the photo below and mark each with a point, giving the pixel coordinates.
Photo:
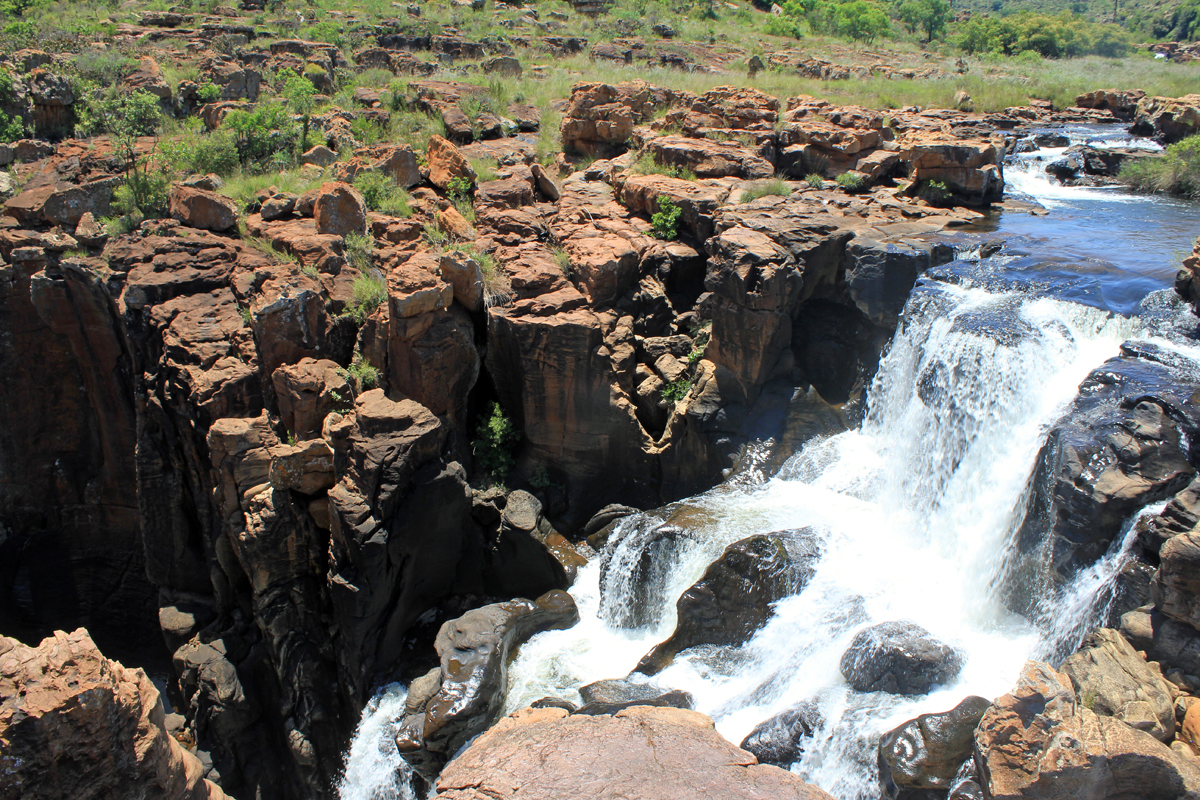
(925, 753)
(447, 164)
(74, 724)
(639, 752)
(339, 209)
(734, 598)
(1122, 103)
(898, 657)
(320, 155)
(609, 697)
(1174, 645)
(1111, 679)
(1180, 515)
(198, 208)
(781, 739)
(474, 651)
(1039, 741)
(463, 273)
(881, 275)
(148, 77)
(970, 169)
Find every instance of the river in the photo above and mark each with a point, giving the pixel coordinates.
(914, 512)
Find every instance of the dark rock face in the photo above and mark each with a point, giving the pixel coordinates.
(466, 695)
(925, 753)
(733, 599)
(781, 739)
(898, 657)
(1121, 445)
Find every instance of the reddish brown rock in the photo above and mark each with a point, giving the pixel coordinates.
(447, 164)
(432, 359)
(710, 159)
(339, 209)
(198, 208)
(307, 391)
(1040, 741)
(643, 751)
(1168, 119)
(74, 724)
(600, 117)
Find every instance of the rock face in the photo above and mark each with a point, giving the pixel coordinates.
(74, 724)
(1167, 119)
(1111, 679)
(665, 753)
(1122, 444)
(468, 692)
(925, 753)
(733, 599)
(898, 657)
(1039, 741)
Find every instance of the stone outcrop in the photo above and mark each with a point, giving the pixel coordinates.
(1041, 741)
(466, 695)
(1167, 119)
(665, 753)
(1113, 680)
(74, 724)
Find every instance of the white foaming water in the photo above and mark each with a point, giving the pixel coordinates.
(374, 768)
(1025, 173)
(915, 511)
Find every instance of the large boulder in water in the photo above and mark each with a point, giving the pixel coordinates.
(1174, 645)
(1113, 680)
(1039, 741)
(637, 753)
(467, 695)
(781, 739)
(898, 657)
(733, 599)
(925, 753)
(1122, 444)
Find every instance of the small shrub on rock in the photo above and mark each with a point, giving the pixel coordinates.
(851, 183)
(383, 194)
(665, 221)
(775, 187)
(815, 180)
(936, 193)
(496, 443)
(369, 293)
(1177, 172)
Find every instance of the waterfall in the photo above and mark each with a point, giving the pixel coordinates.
(374, 769)
(916, 511)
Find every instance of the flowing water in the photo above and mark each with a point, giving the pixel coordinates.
(914, 512)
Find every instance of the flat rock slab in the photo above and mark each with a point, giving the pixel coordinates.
(639, 752)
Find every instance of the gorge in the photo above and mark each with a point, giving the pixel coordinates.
(844, 436)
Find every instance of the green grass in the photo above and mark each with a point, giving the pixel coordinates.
(1177, 172)
(647, 164)
(244, 186)
(774, 186)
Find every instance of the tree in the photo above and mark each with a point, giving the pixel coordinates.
(861, 21)
(127, 118)
(929, 16)
(300, 95)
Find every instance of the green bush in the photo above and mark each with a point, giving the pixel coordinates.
(361, 375)
(369, 293)
(1177, 172)
(784, 26)
(936, 193)
(496, 443)
(209, 92)
(12, 127)
(648, 165)
(202, 153)
(814, 180)
(124, 115)
(851, 182)
(265, 136)
(665, 221)
(1061, 36)
(675, 391)
(359, 247)
(381, 193)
